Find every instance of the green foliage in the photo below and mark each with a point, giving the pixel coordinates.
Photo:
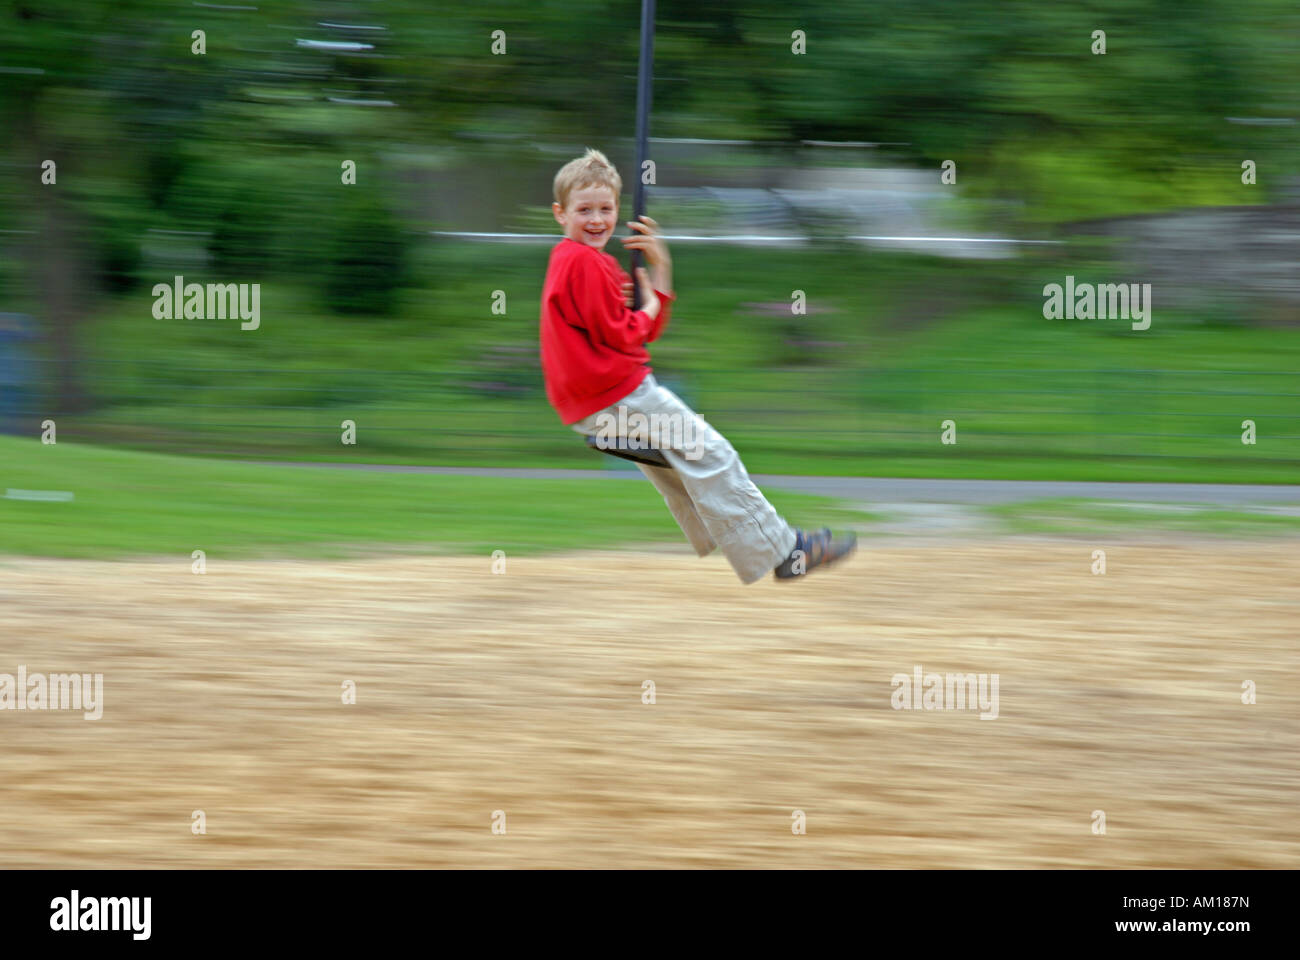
(238, 150)
(1011, 90)
(366, 257)
(892, 345)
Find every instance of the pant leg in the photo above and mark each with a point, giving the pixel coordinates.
(734, 513)
(665, 479)
(669, 483)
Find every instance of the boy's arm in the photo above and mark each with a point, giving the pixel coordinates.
(665, 308)
(661, 274)
(660, 321)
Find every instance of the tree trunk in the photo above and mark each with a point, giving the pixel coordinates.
(60, 268)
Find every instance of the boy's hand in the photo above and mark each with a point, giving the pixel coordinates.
(648, 241)
(647, 294)
(654, 249)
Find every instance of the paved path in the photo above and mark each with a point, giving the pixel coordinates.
(894, 490)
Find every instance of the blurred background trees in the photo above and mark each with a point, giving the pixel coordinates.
(228, 163)
(243, 143)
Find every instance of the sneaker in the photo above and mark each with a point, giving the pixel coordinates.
(815, 550)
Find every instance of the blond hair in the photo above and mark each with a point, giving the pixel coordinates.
(592, 169)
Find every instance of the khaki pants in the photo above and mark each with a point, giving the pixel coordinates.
(707, 489)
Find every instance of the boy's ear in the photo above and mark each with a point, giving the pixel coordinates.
(556, 210)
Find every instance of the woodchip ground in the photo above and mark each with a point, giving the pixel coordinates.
(523, 693)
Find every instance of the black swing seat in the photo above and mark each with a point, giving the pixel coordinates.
(634, 452)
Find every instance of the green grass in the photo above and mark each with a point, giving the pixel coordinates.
(136, 504)
(891, 347)
(1082, 517)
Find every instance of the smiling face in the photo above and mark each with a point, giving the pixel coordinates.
(590, 216)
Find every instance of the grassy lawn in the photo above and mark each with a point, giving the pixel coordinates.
(129, 503)
(890, 348)
(1082, 517)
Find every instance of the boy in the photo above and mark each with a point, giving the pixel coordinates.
(597, 373)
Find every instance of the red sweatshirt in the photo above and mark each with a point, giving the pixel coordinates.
(593, 346)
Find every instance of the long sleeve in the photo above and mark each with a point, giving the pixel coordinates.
(598, 304)
(660, 323)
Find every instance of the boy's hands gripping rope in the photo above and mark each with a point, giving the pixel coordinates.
(649, 299)
(655, 250)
